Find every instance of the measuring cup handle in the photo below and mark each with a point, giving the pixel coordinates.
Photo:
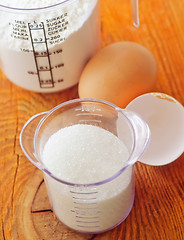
(142, 134)
(27, 137)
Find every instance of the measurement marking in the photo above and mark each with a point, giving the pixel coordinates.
(83, 192)
(79, 214)
(91, 120)
(38, 42)
(36, 28)
(44, 70)
(97, 226)
(94, 208)
(43, 84)
(86, 222)
(94, 109)
(40, 55)
(87, 203)
(89, 114)
(87, 217)
(84, 198)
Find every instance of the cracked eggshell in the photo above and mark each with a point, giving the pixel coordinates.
(165, 118)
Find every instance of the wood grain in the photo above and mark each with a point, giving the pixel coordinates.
(158, 211)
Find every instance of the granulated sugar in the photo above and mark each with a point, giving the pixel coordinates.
(84, 154)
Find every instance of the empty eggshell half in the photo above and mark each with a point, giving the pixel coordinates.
(165, 118)
(118, 73)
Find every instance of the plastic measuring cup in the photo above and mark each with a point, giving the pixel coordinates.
(44, 48)
(98, 206)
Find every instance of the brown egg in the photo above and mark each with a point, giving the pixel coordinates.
(118, 73)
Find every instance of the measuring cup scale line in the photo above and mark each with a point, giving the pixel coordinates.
(89, 112)
(49, 82)
(95, 219)
(90, 119)
(89, 216)
(111, 210)
(85, 108)
(86, 212)
(42, 40)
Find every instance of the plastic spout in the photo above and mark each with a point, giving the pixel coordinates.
(135, 12)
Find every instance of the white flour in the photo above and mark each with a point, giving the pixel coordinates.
(87, 154)
(71, 37)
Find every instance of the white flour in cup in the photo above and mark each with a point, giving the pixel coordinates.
(63, 41)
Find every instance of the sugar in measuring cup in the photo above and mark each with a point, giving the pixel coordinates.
(44, 48)
(93, 189)
(87, 149)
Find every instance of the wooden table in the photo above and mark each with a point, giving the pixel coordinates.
(158, 211)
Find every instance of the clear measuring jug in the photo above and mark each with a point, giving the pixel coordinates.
(101, 205)
(44, 47)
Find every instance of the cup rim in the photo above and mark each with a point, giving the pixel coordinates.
(18, 10)
(128, 162)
